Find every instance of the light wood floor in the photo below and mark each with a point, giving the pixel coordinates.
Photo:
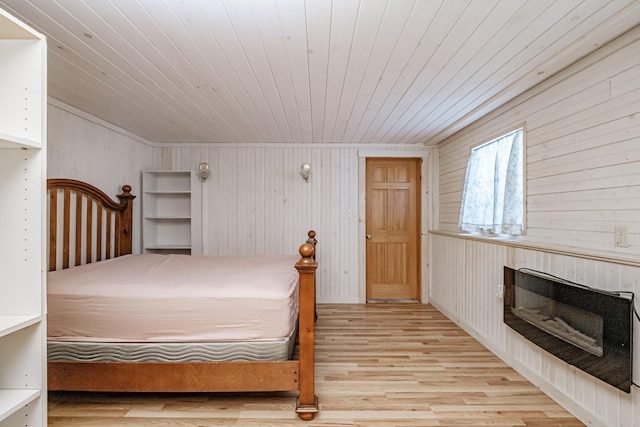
(376, 365)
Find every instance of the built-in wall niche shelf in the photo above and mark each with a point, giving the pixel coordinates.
(23, 97)
(171, 212)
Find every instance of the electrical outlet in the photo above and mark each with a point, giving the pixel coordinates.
(621, 236)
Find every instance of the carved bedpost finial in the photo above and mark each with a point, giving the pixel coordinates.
(312, 240)
(306, 254)
(126, 195)
(126, 192)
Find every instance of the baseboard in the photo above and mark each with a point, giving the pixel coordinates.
(338, 300)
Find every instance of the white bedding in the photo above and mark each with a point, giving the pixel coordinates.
(174, 298)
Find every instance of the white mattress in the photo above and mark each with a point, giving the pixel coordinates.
(174, 298)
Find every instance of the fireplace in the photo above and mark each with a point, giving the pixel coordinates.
(587, 328)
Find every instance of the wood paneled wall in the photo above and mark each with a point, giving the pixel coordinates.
(582, 179)
(255, 202)
(583, 152)
(465, 277)
(83, 147)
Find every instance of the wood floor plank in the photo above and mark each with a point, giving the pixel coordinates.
(377, 365)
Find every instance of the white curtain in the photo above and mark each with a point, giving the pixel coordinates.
(493, 199)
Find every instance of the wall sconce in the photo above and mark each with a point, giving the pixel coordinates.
(305, 171)
(204, 171)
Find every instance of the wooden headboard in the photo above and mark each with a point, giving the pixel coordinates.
(86, 225)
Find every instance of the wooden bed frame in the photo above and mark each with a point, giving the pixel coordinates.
(81, 210)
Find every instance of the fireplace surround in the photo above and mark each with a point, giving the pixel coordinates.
(588, 328)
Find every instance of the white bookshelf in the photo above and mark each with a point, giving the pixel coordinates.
(22, 246)
(171, 211)
(10, 324)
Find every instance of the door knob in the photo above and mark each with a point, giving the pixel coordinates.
(368, 236)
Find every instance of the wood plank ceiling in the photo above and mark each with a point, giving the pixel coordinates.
(309, 71)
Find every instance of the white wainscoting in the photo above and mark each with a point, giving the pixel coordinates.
(582, 180)
(256, 202)
(465, 275)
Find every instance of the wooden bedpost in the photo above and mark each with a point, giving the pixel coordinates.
(314, 242)
(125, 243)
(307, 404)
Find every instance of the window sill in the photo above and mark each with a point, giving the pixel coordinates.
(488, 236)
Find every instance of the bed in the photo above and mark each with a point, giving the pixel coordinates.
(252, 331)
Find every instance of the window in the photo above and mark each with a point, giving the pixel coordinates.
(493, 197)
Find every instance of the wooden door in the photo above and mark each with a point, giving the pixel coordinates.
(392, 228)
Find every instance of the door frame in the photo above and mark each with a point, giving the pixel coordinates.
(427, 191)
